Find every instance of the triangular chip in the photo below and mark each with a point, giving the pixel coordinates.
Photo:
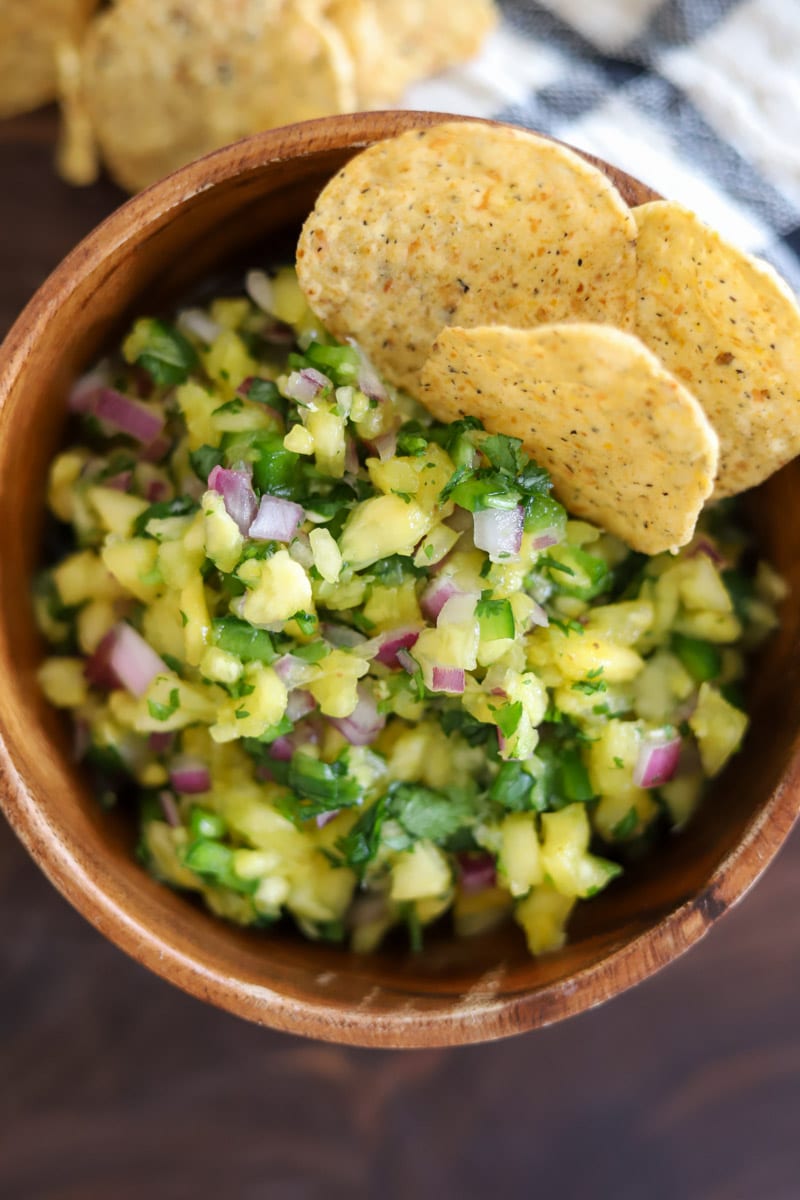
(464, 224)
(164, 83)
(729, 327)
(626, 445)
(31, 33)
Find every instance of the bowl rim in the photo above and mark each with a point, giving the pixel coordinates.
(460, 1022)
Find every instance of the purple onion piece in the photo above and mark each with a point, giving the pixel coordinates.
(237, 492)
(498, 531)
(277, 520)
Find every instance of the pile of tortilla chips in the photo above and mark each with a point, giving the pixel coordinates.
(640, 358)
(148, 85)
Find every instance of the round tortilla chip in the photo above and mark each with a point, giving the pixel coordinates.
(395, 44)
(728, 326)
(464, 224)
(627, 446)
(164, 84)
(30, 34)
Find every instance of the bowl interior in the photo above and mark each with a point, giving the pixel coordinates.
(248, 202)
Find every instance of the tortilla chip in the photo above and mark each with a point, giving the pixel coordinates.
(729, 327)
(393, 44)
(30, 33)
(164, 83)
(627, 446)
(464, 224)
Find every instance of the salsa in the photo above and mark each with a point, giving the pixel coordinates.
(358, 667)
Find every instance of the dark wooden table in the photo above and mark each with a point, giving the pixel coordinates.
(114, 1086)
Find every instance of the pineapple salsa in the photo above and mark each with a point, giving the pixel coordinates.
(358, 667)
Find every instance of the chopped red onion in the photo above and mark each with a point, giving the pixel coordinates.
(258, 286)
(369, 381)
(386, 445)
(498, 531)
(199, 324)
(125, 659)
(364, 723)
(299, 704)
(169, 808)
(290, 670)
(282, 749)
(704, 545)
(658, 759)
(304, 386)
(448, 679)
(324, 819)
(276, 333)
(277, 520)
(156, 450)
(237, 492)
(300, 550)
(123, 415)
(84, 391)
(263, 774)
(190, 776)
(459, 609)
(539, 616)
(342, 635)
(392, 643)
(436, 595)
(406, 661)
(157, 489)
(160, 743)
(476, 872)
(547, 538)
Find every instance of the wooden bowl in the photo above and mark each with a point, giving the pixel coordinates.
(147, 253)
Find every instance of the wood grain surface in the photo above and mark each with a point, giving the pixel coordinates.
(114, 1085)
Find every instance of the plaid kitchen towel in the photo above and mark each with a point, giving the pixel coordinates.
(698, 98)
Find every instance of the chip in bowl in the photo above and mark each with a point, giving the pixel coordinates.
(465, 224)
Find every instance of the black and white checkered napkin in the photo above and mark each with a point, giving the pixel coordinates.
(698, 98)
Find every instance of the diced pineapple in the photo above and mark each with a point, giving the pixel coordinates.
(220, 666)
(681, 797)
(624, 622)
(709, 626)
(117, 510)
(381, 526)
(391, 607)
(278, 587)
(447, 646)
(393, 475)
(438, 543)
(565, 855)
(700, 587)
(520, 858)
(179, 561)
(83, 576)
(253, 714)
(65, 472)
(336, 682)
(196, 619)
(134, 564)
(229, 312)
(718, 727)
(198, 406)
(475, 913)
(543, 915)
(223, 540)
(169, 703)
(327, 430)
(94, 621)
(228, 364)
(612, 758)
(299, 440)
(63, 681)
(660, 686)
(576, 655)
(420, 872)
(613, 817)
(288, 301)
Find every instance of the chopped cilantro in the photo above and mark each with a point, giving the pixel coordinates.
(162, 712)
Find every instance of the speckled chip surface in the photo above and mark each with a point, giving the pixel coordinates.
(464, 224)
(729, 328)
(627, 446)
